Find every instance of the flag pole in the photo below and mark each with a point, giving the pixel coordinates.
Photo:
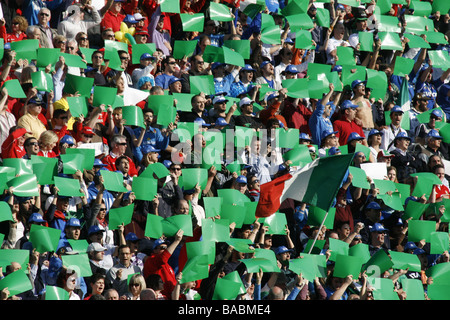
(317, 235)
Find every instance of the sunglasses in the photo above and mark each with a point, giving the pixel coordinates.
(71, 48)
(172, 62)
(45, 15)
(97, 57)
(135, 284)
(123, 58)
(122, 144)
(102, 209)
(83, 38)
(177, 169)
(33, 144)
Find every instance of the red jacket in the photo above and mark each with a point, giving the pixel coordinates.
(110, 20)
(110, 161)
(159, 264)
(11, 148)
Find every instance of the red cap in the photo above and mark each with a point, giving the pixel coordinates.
(87, 131)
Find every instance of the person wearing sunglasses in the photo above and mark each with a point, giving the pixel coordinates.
(47, 33)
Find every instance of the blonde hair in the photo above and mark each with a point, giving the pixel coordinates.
(47, 138)
(137, 278)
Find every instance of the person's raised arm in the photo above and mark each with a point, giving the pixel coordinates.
(327, 97)
(178, 236)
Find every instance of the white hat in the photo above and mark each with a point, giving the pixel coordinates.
(95, 246)
(245, 101)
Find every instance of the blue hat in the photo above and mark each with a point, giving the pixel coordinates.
(357, 82)
(419, 251)
(354, 136)
(147, 148)
(131, 237)
(7, 46)
(167, 163)
(217, 64)
(410, 245)
(89, 69)
(221, 122)
(289, 41)
(201, 122)
(173, 80)
(73, 222)
(291, 69)
(55, 265)
(159, 242)
(304, 136)
(340, 6)
(36, 217)
(333, 150)
(337, 68)
(247, 67)
(402, 135)
(327, 132)
(219, 99)
(95, 229)
(264, 63)
(396, 109)
(377, 227)
(146, 56)
(282, 167)
(99, 163)
(437, 113)
(373, 205)
(282, 249)
(36, 100)
(271, 96)
(433, 133)
(348, 104)
(241, 179)
(130, 19)
(375, 131)
(67, 139)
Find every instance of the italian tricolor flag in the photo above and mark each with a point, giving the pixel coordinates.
(317, 184)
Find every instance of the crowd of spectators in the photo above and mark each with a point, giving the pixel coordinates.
(402, 129)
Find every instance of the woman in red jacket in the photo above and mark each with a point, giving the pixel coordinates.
(19, 27)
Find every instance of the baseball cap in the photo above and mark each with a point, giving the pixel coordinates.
(173, 80)
(138, 17)
(95, 229)
(67, 139)
(159, 242)
(433, 133)
(410, 245)
(201, 122)
(396, 109)
(291, 69)
(87, 131)
(95, 246)
(437, 113)
(357, 82)
(217, 64)
(99, 163)
(333, 150)
(327, 132)
(36, 217)
(149, 148)
(146, 56)
(36, 100)
(241, 179)
(374, 131)
(304, 136)
(219, 99)
(282, 249)
(377, 227)
(348, 104)
(221, 122)
(247, 67)
(354, 136)
(373, 205)
(73, 222)
(131, 237)
(245, 101)
(129, 18)
(264, 63)
(402, 135)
